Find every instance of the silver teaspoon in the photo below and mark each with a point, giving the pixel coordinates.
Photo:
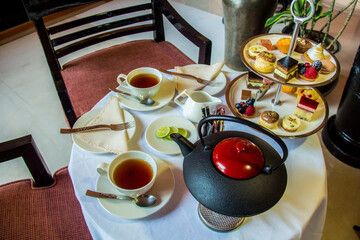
(142, 200)
(145, 101)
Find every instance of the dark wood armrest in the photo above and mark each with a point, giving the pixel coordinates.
(26, 148)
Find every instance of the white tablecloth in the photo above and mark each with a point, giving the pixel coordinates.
(300, 214)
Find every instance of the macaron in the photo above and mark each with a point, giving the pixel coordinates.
(327, 67)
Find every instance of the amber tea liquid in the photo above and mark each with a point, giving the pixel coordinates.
(132, 174)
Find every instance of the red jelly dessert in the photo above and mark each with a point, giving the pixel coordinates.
(306, 108)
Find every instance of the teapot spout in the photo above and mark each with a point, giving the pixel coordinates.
(186, 147)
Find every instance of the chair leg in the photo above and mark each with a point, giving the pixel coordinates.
(357, 230)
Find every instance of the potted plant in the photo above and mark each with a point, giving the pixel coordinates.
(302, 8)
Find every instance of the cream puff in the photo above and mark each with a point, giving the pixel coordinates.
(265, 62)
(315, 53)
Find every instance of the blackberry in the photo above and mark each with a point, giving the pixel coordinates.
(250, 101)
(317, 65)
(301, 65)
(237, 105)
(242, 109)
(302, 70)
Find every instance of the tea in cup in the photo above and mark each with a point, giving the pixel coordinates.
(142, 82)
(132, 173)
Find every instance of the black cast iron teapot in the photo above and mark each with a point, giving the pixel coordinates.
(234, 173)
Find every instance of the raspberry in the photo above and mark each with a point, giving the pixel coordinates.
(307, 65)
(250, 110)
(311, 73)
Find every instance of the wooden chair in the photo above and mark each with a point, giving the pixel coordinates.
(44, 207)
(82, 82)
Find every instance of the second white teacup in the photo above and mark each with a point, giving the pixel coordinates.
(132, 173)
(142, 82)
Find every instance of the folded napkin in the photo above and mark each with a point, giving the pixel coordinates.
(207, 72)
(109, 140)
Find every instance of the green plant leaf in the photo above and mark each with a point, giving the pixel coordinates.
(324, 15)
(276, 18)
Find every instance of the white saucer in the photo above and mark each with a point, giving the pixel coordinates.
(167, 146)
(162, 98)
(89, 116)
(163, 189)
(216, 86)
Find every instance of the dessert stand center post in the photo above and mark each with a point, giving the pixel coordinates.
(298, 21)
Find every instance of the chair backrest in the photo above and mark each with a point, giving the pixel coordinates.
(63, 39)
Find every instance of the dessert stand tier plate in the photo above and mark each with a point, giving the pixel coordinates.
(287, 106)
(295, 81)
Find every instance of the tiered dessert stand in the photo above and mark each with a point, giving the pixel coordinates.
(286, 103)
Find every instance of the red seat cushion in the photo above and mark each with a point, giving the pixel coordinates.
(41, 213)
(89, 77)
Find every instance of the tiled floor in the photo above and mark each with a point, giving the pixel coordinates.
(29, 104)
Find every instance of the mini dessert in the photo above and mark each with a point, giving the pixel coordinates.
(309, 72)
(307, 92)
(283, 44)
(269, 119)
(253, 81)
(245, 94)
(267, 81)
(288, 89)
(255, 50)
(290, 123)
(265, 62)
(246, 108)
(327, 67)
(305, 108)
(267, 43)
(314, 53)
(285, 69)
(302, 45)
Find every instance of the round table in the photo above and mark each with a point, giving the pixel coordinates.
(300, 213)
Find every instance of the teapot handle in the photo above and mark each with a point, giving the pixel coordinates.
(268, 169)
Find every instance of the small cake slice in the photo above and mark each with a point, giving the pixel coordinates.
(253, 81)
(285, 68)
(305, 108)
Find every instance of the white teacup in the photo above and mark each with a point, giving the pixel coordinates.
(132, 173)
(142, 82)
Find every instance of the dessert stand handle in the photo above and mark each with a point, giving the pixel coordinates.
(297, 20)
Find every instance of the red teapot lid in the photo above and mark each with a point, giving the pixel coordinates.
(238, 158)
